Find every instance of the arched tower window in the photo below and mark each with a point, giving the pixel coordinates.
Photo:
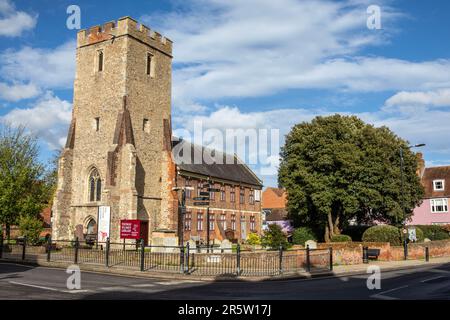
(91, 227)
(95, 186)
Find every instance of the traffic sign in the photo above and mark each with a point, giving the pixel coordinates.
(201, 203)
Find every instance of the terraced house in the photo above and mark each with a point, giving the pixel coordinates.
(118, 164)
(434, 208)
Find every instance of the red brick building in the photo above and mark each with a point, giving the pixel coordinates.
(274, 208)
(234, 211)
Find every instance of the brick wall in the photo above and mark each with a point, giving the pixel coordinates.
(351, 253)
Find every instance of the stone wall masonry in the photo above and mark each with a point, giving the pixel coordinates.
(123, 26)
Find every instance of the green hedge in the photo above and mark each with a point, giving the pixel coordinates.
(434, 232)
(383, 233)
(341, 238)
(303, 234)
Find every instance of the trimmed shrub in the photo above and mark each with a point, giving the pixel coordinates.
(31, 228)
(253, 239)
(383, 233)
(274, 237)
(303, 234)
(434, 232)
(341, 238)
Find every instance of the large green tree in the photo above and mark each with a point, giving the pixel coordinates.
(25, 184)
(338, 168)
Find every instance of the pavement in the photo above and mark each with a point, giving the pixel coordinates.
(406, 281)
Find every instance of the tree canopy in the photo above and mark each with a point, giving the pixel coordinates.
(25, 184)
(338, 168)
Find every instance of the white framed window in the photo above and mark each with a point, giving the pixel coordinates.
(439, 205)
(438, 185)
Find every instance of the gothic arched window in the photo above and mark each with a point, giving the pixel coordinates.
(95, 186)
(91, 227)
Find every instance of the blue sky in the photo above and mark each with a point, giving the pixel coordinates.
(253, 64)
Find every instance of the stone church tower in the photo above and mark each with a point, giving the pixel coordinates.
(118, 150)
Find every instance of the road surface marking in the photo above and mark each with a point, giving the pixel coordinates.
(76, 291)
(439, 271)
(33, 286)
(48, 288)
(169, 283)
(113, 288)
(143, 285)
(382, 295)
(16, 264)
(431, 279)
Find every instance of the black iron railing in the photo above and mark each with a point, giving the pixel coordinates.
(212, 261)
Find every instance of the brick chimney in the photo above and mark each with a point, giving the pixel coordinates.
(421, 164)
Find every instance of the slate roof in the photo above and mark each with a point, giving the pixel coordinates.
(277, 214)
(214, 164)
(436, 173)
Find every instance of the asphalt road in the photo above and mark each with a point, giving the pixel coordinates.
(25, 282)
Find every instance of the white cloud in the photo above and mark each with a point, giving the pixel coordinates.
(12, 22)
(47, 68)
(48, 118)
(18, 92)
(261, 47)
(437, 98)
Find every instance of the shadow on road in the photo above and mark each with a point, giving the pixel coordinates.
(11, 270)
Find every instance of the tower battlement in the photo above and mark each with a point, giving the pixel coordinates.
(124, 26)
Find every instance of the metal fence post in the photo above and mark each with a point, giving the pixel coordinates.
(331, 258)
(1, 244)
(238, 257)
(365, 255)
(427, 254)
(182, 258)
(142, 254)
(49, 248)
(405, 250)
(308, 259)
(187, 258)
(280, 269)
(75, 260)
(108, 245)
(24, 247)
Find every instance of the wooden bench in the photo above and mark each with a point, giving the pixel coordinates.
(373, 253)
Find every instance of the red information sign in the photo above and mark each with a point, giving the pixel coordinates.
(130, 229)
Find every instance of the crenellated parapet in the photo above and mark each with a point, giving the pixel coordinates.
(124, 26)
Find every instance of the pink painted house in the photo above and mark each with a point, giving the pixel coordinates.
(434, 208)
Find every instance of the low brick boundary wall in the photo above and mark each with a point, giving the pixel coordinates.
(349, 253)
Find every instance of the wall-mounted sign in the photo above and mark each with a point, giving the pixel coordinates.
(104, 223)
(130, 229)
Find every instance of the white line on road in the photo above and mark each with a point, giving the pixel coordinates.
(382, 295)
(48, 288)
(143, 285)
(431, 279)
(33, 286)
(439, 271)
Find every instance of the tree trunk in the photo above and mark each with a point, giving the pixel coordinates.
(336, 226)
(327, 235)
(8, 232)
(332, 228)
